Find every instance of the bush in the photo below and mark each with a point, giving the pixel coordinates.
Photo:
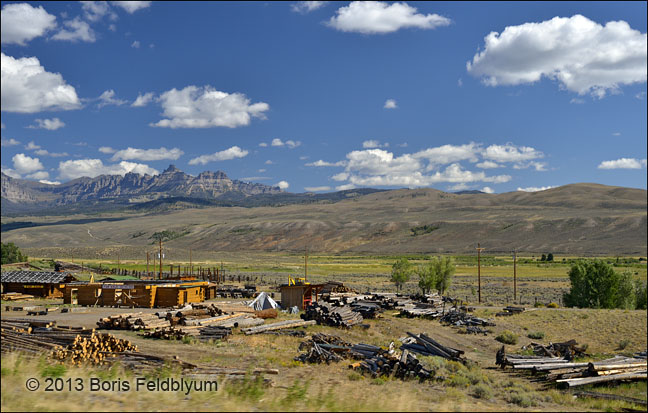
(538, 304)
(623, 344)
(640, 295)
(507, 337)
(536, 335)
(482, 392)
(552, 305)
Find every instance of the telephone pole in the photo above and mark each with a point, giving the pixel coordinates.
(514, 276)
(147, 263)
(190, 263)
(306, 265)
(479, 250)
(160, 257)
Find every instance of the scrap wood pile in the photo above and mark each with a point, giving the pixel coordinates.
(64, 344)
(16, 297)
(231, 291)
(567, 350)
(462, 318)
(327, 314)
(427, 346)
(566, 373)
(373, 360)
(508, 311)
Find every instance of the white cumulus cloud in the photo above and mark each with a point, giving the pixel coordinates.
(107, 149)
(377, 17)
(623, 163)
(28, 88)
(32, 146)
(324, 163)
(535, 188)
(307, 6)
(49, 124)
(10, 142)
(289, 143)
(39, 175)
(390, 104)
(78, 168)
(582, 55)
(132, 6)
(21, 22)
(24, 164)
(488, 190)
(226, 155)
(76, 30)
(45, 181)
(146, 154)
(143, 100)
(488, 165)
(206, 107)
(283, 185)
(372, 143)
(511, 153)
(108, 98)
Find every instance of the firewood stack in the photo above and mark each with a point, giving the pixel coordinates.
(326, 314)
(136, 321)
(566, 373)
(93, 348)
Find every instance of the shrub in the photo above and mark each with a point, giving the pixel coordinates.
(11, 253)
(401, 271)
(507, 337)
(640, 295)
(536, 335)
(623, 344)
(482, 392)
(538, 304)
(552, 305)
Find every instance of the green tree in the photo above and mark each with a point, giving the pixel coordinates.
(641, 299)
(594, 284)
(11, 253)
(401, 271)
(543, 258)
(427, 277)
(550, 257)
(626, 297)
(445, 269)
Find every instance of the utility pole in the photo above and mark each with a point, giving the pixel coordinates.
(514, 276)
(147, 263)
(190, 263)
(306, 265)
(479, 250)
(160, 257)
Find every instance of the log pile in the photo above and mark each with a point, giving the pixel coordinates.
(92, 348)
(427, 346)
(326, 314)
(132, 321)
(462, 318)
(384, 363)
(166, 333)
(509, 311)
(277, 326)
(566, 373)
(213, 333)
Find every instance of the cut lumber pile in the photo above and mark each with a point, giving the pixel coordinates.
(213, 333)
(326, 314)
(166, 333)
(566, 373)
(405, 366)
(267, 313)
(133, 321)
(427, 346)
(462, 318)
(510, 310)
(16, 296)
(277, 326)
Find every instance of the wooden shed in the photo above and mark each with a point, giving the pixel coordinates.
(300, 295)
(48, 284)
(135, 293)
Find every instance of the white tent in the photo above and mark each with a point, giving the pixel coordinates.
(263, 302)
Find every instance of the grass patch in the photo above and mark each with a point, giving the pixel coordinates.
(536, 335)
(507, 337)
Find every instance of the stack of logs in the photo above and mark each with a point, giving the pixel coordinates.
(427, 346)
(462, 318)
(508, 311)
(75, 345)
(570, 374)
(567, 350)
(277, 326)
(326, 314)
(133, 321)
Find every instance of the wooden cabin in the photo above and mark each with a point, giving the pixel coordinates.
(135, 293)
(47, 284)
(300, 295)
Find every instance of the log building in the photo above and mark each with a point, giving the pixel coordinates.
(47, 284)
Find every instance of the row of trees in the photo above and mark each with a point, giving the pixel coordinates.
(595, 284)
(435, 274)
(11, 253)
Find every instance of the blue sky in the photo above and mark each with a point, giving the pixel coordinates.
(321, 96)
